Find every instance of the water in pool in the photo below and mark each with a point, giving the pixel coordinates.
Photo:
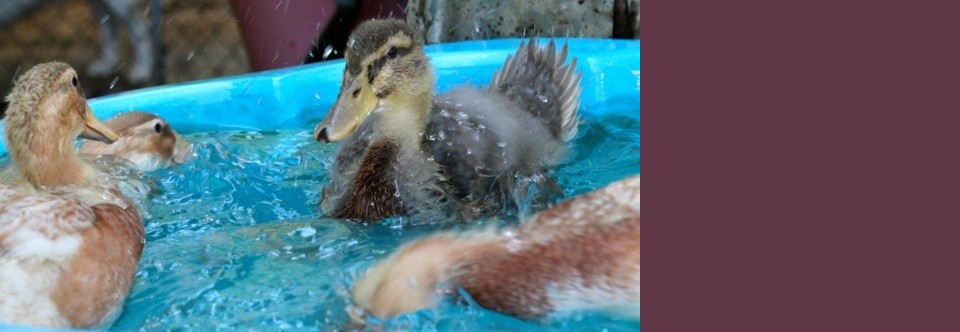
(235, 241)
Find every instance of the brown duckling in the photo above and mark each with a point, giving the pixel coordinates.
(69, 241)
(146, 140)
(580, 255)
(465, 154)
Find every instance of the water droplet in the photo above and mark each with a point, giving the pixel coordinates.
(190, 55)
(104, 19)
(543, 99)
(442, 135)
(327, 51)
(114, 82)
(445, 113)
(316, 95)
(502, 144)
(351, 42)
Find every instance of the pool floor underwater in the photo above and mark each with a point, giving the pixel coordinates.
(235, 241)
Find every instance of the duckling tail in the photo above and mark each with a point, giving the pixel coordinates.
(536, 80)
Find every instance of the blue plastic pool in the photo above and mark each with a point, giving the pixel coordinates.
(234, 240)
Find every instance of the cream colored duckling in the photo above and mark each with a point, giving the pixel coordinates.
(146, 140)
(69, 241)
(580, 255)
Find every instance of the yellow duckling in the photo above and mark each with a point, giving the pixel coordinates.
(146, 140)
(467, 153)
(69, 241)
(580, 255)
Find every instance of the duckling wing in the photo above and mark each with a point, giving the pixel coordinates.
(40, 226)
(39, 235)
(537, 81)
(63, 262)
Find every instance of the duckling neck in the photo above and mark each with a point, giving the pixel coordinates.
(405, 121)
(45, 163)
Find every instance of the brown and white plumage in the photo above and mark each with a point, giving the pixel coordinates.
(146, 140)
(580, 255)
(465, 154)
(69, 241)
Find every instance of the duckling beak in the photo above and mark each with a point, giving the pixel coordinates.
(96, 130)
(182, 151)
(354, 103)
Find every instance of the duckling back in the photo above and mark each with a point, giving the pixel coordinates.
(146, 140)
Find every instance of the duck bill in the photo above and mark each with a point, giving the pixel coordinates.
(96, 130)
(182, 151)
(348, 111)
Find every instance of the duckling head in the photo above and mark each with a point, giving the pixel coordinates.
(387, 73)
(46, 113)
(146, 140)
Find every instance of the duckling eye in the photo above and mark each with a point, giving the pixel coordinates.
(356, 93)
(75, 82)
(392, 52)
(158, 128)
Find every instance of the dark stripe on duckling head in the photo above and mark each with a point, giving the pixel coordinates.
(374, 68)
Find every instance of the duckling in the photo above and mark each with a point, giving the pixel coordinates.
(69, 241)
(146, 140)
(580, 255)
(469, 153)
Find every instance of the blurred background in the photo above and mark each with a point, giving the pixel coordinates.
(118, 45)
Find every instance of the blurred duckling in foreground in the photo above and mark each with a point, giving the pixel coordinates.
(69, 241)
(146, 140)
(580, 255)
(465, 154)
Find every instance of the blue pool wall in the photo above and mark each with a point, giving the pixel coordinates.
(299, 97)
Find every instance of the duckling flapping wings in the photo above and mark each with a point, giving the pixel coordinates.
(508, 136)
(536, 80)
